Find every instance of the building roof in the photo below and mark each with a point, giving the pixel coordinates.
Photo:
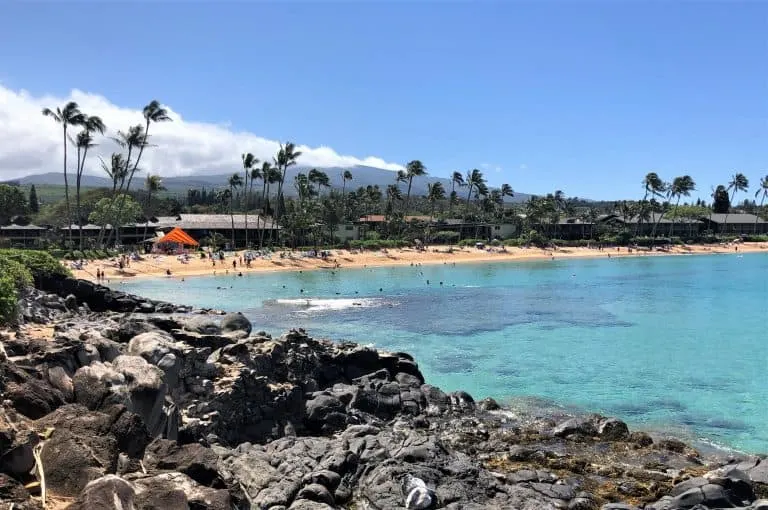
(22, 227)
(733, 218)
(380, 218)
(210, 222)
(89, 226)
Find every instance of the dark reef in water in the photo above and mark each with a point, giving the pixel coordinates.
(130, 408)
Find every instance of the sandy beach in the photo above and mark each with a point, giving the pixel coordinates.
(159, 265)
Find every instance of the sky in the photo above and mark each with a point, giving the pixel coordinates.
(582, 96)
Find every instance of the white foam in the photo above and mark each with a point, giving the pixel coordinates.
(315, 304)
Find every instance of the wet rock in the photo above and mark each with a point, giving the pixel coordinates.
(488, 404)
(576, 426)
(612, 429)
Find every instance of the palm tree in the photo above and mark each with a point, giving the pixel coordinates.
(268, 176)
(152, 112)
(739, 182)
(456, 178)
(413, 169)
(152, 184)
(83, 142)
(251, 173)
(762, 190)
(474, 180)
(286, 157)
(435, 192)
(70, 115)
(681, 186)
(654, 186)
(346, 175)
(234, 182)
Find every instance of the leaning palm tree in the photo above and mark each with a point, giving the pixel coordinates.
(152, 113)
(413, 169)
(681, 187)
(70, 115)
(739, 182)
(474, 180)
(346, 175)
(249, 160)
(234, 182)
(456, 178)
(762, 190)
(152, 184)
(654, 187)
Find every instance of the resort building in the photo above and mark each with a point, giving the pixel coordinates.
(734, 223)
(347, 232)
(200, 226)
(22, 236)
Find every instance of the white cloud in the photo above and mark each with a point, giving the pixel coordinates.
(31, 143)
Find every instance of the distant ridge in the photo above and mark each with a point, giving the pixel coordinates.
(361, 176)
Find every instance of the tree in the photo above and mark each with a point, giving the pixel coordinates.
(762, 191)
(83, 142)
(34, 204)
(70, 115)
(106, 212)
(234, 182)
(214, 240)
(435, 192)
(456, 178)
(12, 203)
(413, 169)
(286, 157)
(269, 175)
(152, 184)
(681, 186)
(739, 182)
(721, 202)
(474, 180)
(346, 175)
(251, 174)
(655, 187)
(138, 136)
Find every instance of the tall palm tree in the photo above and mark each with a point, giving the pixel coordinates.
(70, 115)
(762, 190)
(249, 161)
(152, 184)
(286, 157)
(474, 180)
(653, 186)
(269, 175)
(413, 169)
(83, 142)
(346, 175)
(435, 192)
(152, 113)
(739, 182)
(456, 178)
(681, 187)
(234, 182)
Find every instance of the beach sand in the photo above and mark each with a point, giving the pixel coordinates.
(157, 266)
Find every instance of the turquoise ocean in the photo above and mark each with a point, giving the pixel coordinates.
(671, 344)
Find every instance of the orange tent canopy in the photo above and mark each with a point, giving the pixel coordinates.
(178, 236)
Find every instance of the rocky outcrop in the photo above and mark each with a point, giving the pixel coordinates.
(137, 410)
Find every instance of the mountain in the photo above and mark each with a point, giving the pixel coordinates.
(361, 176)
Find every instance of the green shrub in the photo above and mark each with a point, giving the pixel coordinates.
(8, 300)
(753, 238)
(39, 263)
(16, 272)
(471, 242)
(446, 236)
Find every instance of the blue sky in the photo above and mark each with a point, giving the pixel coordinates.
(581, 96)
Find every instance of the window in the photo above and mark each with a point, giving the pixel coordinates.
(349, 228)
(497, 227)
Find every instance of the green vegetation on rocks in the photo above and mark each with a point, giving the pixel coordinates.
(18, 270)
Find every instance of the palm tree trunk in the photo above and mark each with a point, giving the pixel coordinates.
(232, 214)
(672, 226)
(264, 211)
(66, 188)
(469, 195)
(450, 199)
(149, 206)
(408, 198)
(77, 200)
(245, 208)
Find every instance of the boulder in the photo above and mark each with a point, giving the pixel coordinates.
(109, 492)
(172, 491)
(193, 460)
(235, 322)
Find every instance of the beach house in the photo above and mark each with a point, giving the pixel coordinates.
(22, 236)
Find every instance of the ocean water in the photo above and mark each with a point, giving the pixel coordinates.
(674, 344)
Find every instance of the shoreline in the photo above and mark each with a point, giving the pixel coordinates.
(154, 266)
